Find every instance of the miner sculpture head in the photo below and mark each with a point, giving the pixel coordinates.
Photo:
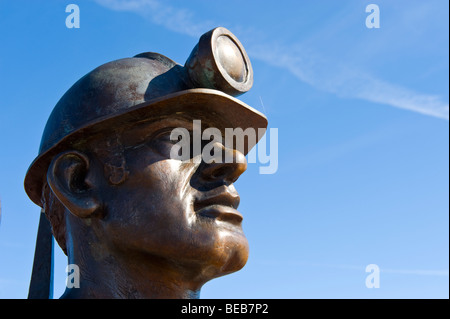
(137, 221)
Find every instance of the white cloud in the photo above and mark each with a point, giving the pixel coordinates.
(174, 19)
(316, 70)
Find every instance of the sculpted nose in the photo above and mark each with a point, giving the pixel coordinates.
(226, 168)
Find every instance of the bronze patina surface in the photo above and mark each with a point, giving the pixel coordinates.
(138, 223)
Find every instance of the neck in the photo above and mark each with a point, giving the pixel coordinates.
(128, 276)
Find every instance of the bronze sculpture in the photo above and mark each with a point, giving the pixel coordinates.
(138, 223)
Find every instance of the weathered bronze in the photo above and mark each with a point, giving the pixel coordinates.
(138, 223)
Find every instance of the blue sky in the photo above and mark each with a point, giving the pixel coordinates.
(363, 127)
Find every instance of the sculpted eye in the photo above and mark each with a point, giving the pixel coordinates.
(162, 143)
(161, 136)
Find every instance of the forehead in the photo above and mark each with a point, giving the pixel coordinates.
(135, 133)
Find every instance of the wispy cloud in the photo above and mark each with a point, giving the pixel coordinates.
(175, 19)
(347, 82)
(308, 66)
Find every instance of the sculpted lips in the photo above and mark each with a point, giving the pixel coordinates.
(219, 203)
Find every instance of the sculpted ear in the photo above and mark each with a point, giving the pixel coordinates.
(67, 176)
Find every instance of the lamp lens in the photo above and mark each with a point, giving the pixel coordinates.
(230, 58)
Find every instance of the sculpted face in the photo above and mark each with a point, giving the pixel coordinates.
(182, 214)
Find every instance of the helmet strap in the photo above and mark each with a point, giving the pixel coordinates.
(41, 284)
